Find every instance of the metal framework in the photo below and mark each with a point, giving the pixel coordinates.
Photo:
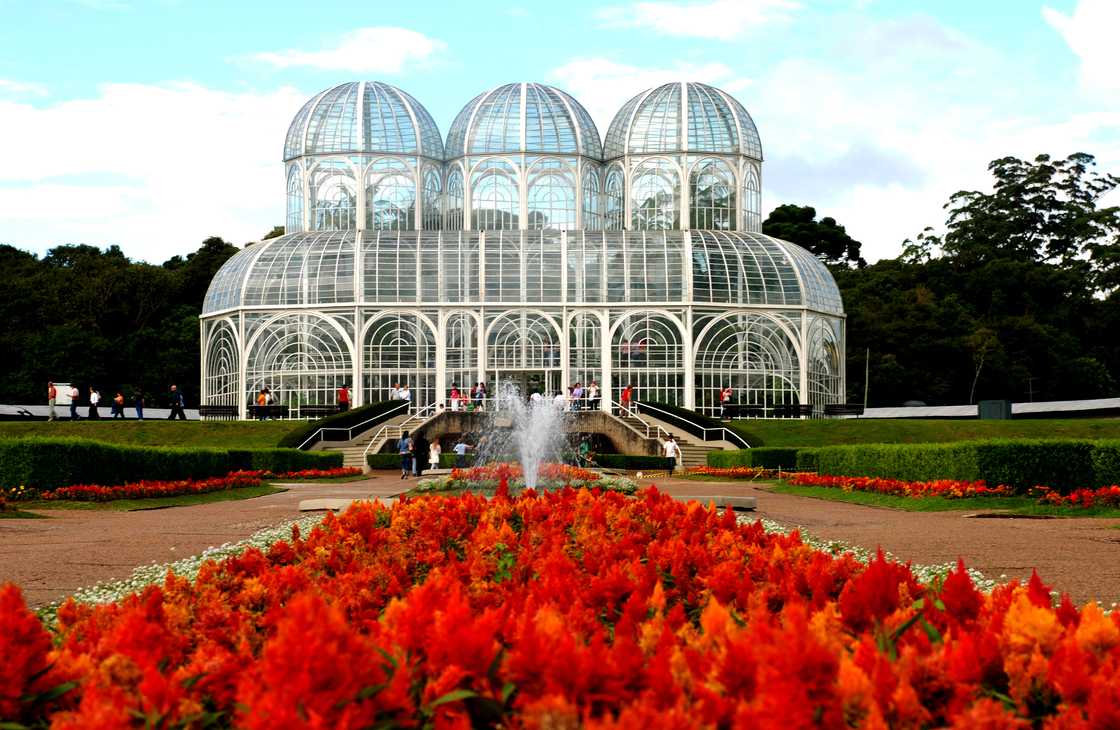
(525, 248)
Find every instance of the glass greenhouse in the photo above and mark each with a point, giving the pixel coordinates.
(523, 249)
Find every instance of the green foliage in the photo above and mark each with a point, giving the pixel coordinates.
(630, 462)
(383, 461)
(345, 419)
(762, 457)
(1022, 464)
(825, 238)
(1106, 462)
(45, 463)
(158, 432)
(808, 459)
(89, 316)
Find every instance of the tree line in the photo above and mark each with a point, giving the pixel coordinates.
(1018, 296)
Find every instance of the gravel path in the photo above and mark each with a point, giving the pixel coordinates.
(51, 558)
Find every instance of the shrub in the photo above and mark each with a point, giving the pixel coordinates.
(383, 461)
(346, 419)
(765, 457)
(1021, 464)
(46, 463)
(807, 460)
(630, 462)
(1106, 463)
(447, 460)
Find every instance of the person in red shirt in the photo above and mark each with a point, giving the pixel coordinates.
(724, 400)
(627, 396)
(52, 394)
(344, 398)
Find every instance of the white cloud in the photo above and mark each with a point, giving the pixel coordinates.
(719, 19)
(16, 88)
(1090, 32)
(365, 50)
(154, 168)
(603, 86)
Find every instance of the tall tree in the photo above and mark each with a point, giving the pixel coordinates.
(825, 237)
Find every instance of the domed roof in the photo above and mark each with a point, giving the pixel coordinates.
(554, 123)
(390, 121)
(656, 121)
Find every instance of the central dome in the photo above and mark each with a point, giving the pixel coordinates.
(524, 117)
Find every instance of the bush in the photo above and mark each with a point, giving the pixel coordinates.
(807, 460)
(629, 462)
(1106, 463)
(447, 460)
(46, 463)
(764, 457)
(383, 461)
(1020, 464)
(346, 419)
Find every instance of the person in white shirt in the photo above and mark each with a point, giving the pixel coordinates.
(75, 394)
(94, 399)
(559, 401)
(536, 397)
(395, 392)
(406, 394)
(434, 452)
(593, 396)
(672, 453)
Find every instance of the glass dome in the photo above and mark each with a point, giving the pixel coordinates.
(390, 122)
(524, 117)
(707, 121)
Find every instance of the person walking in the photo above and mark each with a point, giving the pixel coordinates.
(724, 401)
(460, 448)
(118, 405)
(625, 398)
(420, 447)
(593, 396)
(138, 404)
(672, 453)
(75, 394)
(177, 404)
(404, 448)
(434, 452)
(52, 395)
(94, 399)
(343, 399)
(262, 404)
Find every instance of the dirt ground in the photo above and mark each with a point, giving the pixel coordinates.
(51, 558)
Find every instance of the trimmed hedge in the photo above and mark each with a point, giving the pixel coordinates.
(345, 419)
(47, 463)
(763, 456)
(1021, 464)
(1106, 463)
(808, 459)
(630, 462)
(393, 461)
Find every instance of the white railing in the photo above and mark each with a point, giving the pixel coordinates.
(652, 430)
(318, 434)
(416, 419)
(723, 432)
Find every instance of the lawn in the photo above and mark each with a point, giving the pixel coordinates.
(829, 432)
(128, 505)
(1014, 505)
(230, 434)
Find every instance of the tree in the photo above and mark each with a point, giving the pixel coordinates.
(825, 238)
(276, 232)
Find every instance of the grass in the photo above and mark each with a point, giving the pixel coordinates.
(184, 500)
(1014, 505)
(830, 432)
(18, 514)
(229, 434)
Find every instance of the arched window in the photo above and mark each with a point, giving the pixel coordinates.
(302, 359)
(654, 196)
(294, 221)
(334, 199)
(390, 196)
(495, 200)
(552, 196)
(398, 350)
(585, 352)
(222, 365)
(752, 203)
(454, 217)
(461, 355)
(520, 341)
(712, 196)
(432, 200)
(824, 362)
(646, 352)
(753, 356)
(592, 218)
(615, 200)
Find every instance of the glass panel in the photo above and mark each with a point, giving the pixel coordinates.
(654, 196)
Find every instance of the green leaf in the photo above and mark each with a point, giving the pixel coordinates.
(507, 691)
(192, 681)
(931, 631)
(454, 695)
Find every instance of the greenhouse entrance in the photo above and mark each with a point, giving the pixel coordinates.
(545, 382)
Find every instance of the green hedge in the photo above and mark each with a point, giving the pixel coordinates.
(393, 461)
(346, 419)
(1022, 464)
(629, 462)
(46, 463)
(1106, 463)
(763, 456)
(808, 460)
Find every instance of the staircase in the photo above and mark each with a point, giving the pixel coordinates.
(372, 441)
(694, 452)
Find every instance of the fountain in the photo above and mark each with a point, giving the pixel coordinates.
(530, 431)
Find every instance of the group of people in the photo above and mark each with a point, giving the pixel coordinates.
(416, 450)
(473, 398)
(116, 406)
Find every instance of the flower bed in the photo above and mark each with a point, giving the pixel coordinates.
(733, 472)
(491, 477)
(151, 489)
(562, 610)
(1083, 498)
(947, 488)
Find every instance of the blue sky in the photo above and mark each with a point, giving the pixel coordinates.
(154, 124)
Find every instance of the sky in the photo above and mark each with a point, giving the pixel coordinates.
(155, 124)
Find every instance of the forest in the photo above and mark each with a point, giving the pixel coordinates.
(1016, 295)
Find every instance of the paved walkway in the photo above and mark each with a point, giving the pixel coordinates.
(51, 558)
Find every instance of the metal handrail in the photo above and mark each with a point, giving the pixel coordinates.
(735, 438)
(350, 431)
(658, 432)
(418, 415)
